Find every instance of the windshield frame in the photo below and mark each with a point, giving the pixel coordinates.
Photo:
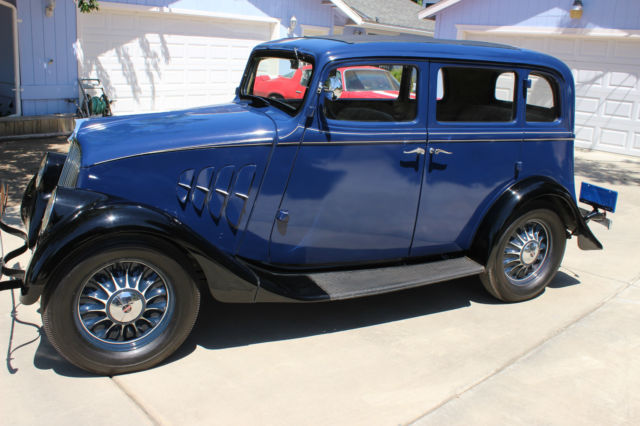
(251, 71)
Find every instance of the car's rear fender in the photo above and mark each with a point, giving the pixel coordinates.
(543, 192)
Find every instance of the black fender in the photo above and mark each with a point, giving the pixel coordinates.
(80, 218)
(537, 189)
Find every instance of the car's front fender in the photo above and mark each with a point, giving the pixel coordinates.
(82, 218)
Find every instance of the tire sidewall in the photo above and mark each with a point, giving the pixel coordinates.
(64, 330)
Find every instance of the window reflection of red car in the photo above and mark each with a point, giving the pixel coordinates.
(289, 86)
(368, 82)
(356, 82)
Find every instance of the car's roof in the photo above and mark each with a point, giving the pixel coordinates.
(343, 47)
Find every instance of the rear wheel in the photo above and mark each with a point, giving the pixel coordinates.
(526, 256)
(122, 308)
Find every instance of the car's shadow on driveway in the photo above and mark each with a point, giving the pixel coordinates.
(222, 326)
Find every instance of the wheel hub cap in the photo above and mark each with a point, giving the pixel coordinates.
(126, 306)
(526, 251)
(530, 252)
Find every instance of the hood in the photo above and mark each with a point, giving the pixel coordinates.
(111, 138)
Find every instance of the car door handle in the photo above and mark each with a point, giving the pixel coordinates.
(417, 151)
(436, 151)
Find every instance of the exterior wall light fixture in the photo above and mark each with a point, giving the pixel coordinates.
(293, 22)
(576, 10)
(50, 5)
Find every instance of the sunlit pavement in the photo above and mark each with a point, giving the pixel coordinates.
(442, 354)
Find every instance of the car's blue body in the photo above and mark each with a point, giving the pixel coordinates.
(252, 192)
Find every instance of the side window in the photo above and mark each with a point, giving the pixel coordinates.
(505, 86)
(474, 94)
(541, 99)
(373, 92)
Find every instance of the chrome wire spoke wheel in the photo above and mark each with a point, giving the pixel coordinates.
(526, 251)
(124, 305)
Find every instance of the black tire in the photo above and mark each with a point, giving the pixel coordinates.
(513, 273)
(276, 96)
(121, 308)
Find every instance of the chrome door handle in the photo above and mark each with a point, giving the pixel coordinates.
(436, 151)
(417, 151)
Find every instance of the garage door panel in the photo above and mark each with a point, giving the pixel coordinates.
(624, 49)
(153, 62)
(613, 138)
(623, 79)
(563, 47)
(588, 76)
(618, 109)
(587, 104)
(607, 76)
(593, 48)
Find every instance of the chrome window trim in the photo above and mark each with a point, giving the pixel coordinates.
(71, 168)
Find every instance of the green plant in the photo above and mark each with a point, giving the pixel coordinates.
(87, 6)
(396, 72)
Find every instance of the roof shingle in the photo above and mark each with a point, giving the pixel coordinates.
(401, 13)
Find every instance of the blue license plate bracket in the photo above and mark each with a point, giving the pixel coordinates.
(598, 197)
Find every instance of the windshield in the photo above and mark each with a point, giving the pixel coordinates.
(369, 79)
(282, 80)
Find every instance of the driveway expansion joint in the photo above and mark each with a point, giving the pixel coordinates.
(577, 271)
(118, 382)
(525, 353)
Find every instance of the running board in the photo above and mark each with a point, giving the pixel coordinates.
(349, 284)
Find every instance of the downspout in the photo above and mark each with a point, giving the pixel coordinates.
(16, 57)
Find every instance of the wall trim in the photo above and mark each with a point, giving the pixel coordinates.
(315, 28)
(463, 30)
(391, 29)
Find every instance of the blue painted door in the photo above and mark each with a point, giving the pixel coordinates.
(472, 152)
(354, 190)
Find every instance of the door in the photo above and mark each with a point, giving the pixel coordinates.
(474, 144)
(354, 189)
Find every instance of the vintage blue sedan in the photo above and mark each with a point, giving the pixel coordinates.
(464, 168)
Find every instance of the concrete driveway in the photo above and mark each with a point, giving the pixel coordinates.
(441, 354)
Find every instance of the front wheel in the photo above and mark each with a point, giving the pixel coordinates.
(526, 256)
(121, 309)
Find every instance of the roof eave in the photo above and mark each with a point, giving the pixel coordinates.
(352, 14)
(436, 8)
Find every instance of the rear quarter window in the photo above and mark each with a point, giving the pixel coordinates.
(542, 98)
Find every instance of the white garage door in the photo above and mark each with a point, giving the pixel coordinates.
(607, 77)
(158, 61)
